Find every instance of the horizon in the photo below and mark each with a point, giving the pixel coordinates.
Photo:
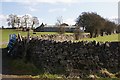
(49, 10)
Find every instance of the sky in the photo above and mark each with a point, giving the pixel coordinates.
(49, 10)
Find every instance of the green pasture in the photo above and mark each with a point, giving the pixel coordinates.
(106, 38)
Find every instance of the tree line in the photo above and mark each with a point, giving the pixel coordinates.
(24, 21)
(95, 24)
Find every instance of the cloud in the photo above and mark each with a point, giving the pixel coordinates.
(59, 1)
(29, 3)
(57, 10)
(69, 21)
(2, 17)
(32, 9)
(42, 1)
(3, 20)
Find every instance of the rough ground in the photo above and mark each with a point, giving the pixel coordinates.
(7, 73)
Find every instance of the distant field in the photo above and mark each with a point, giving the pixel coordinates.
(109, 38)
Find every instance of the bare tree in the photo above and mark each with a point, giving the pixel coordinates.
(35, 22)
(61, 28)
(18, 22)
(59, 20)
(12, 20)
(24, 22)
(77, 32)
(26, 18)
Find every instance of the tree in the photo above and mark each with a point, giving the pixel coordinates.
(18, 22)
(91, 22)
(59, 20)
(95, 24)
(35, 22)
(12, 20)
(118, 28)
(59, 24)
(110, 27)
(25, 20)
(77, 32)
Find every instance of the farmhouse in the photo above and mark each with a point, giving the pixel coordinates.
(53, 28)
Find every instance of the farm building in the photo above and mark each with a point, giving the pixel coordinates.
(53, 28)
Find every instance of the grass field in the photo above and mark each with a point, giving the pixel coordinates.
(5, 36)
(109, 38)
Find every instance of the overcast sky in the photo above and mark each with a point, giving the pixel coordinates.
(49, 10)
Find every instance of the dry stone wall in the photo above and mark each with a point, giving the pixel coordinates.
(80, 58)
(61, 37)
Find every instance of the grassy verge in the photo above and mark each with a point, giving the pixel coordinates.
(47, 75)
